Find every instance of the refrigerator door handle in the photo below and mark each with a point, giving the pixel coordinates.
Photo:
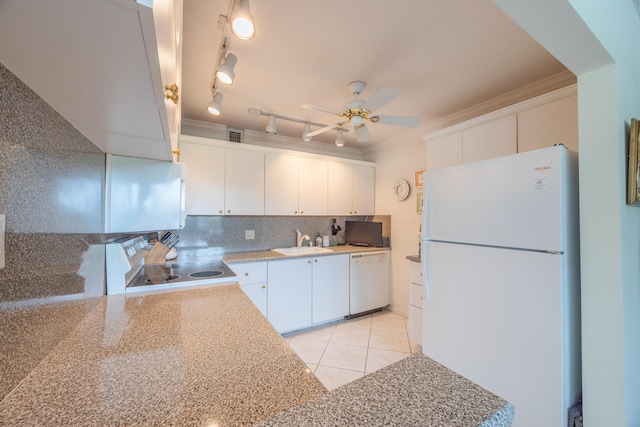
(425, 270)
(426, 207)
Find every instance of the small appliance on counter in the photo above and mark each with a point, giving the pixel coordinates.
(363, 233)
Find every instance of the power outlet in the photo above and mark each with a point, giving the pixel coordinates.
(2, 230)
(249, 234)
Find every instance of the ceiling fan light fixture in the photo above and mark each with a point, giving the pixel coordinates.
(225, 72)
(241, 22)
(340, 139)
(307, 129)
(215, 106)
(271, 126)
(356, 120)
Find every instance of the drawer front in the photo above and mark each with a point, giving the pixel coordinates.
(415, 273)
(415, 295)
(251, 272)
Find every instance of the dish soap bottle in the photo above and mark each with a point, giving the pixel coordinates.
(319, 241)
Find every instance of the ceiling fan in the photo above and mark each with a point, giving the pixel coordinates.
(358, 111)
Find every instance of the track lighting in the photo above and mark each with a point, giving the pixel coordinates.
(215, 106)
(225, 71)
(340, 139)
(307, 129)
(271, 126)
(241, 22)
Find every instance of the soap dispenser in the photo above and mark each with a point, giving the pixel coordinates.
(319, 240)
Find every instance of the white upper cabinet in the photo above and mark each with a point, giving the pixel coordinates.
(244, 183)
(312, 186)
(543, 126)
(205, 178)
(493, 139)
(223, 181)
(444, 151)
(351, 189)
(295, 185)
(111, 60)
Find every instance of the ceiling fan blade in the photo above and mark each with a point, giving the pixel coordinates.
(321, 108)
(396, 120)
(321, 130)
(362, 133)
(382, 97)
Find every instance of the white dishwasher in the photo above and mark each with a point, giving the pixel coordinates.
(370, 281)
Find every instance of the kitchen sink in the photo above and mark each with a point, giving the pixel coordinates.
(302, 250)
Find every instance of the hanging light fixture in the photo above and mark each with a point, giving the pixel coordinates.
(340, 139)
(225, 71)
(307, 129)
(215, 106)
(241, 22)
(271, 126)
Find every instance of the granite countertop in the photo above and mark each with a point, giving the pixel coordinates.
(415, 391)
(238, 257)
(191, 358)
(414, 258)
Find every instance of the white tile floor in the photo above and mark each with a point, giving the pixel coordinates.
(342, 351)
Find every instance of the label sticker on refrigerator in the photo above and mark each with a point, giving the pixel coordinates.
(539, 183)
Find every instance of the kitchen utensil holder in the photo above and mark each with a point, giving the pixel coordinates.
(156, 254)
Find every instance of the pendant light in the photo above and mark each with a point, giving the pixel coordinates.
(241, 22)
(340, 139)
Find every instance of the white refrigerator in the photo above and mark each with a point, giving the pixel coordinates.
(500, 258)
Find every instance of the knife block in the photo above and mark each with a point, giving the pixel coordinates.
(156, 255)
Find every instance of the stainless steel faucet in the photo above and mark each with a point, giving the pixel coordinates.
(301, 237)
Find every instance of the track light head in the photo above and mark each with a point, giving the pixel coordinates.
(271, 126)
(225, 71)
(215, 106)
(307, 129)
(241, 22)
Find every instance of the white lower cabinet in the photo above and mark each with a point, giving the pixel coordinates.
(253, 282)
(289, 294)
(307, 291)
(416, 295)
(330, 288)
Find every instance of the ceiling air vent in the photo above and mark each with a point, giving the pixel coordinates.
(235, 135)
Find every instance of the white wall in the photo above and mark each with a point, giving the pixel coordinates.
(393, 162)
(598, 42)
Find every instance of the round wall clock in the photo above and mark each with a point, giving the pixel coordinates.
(401, 189)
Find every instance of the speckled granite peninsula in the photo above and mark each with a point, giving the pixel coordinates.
(207, 357)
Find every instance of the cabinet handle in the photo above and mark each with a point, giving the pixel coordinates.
(309, 262)
(220, 211)
(264, 286)
(295, 212)
(315, 260)
(355, 212)
(229, 211)
(301, 212)
(246, 273)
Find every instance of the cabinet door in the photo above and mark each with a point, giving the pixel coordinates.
(363, 190)
(312, 186)
(289, 294)
(280, 184)
(244, 186)
(444, 151)
(493, 139)
(205, 178)
(415, 324)
(330, 287)
(547, 124)
(340, 198)
(257, 293)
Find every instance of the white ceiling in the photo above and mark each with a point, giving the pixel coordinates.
(442, 56)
